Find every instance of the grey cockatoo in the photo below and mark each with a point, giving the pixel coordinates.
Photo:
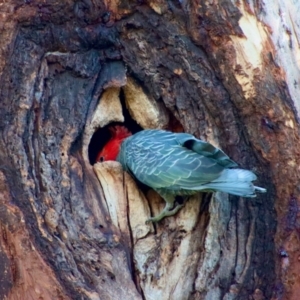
(177, 164)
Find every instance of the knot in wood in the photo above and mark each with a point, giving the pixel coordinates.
(51, 218)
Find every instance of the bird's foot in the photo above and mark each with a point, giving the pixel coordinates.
(165, 213)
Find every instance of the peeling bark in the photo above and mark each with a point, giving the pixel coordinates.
(225, 72)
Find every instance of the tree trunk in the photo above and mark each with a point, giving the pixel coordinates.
(225, 72)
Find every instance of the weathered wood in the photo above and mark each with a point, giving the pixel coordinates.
(226, 72)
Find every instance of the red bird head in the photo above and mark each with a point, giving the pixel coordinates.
(111, 150)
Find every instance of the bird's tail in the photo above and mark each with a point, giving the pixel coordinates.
(236, 182)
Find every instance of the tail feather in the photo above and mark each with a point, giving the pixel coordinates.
(259, 189)
(236, 182)
(243, 189)
(232, 175)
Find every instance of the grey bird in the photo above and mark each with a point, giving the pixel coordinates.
(177, 164)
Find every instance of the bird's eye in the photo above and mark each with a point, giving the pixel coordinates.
(101, 159)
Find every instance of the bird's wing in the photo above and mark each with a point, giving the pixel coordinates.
(162, 162)
(205, 149)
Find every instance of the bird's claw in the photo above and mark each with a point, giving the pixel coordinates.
(165, 213)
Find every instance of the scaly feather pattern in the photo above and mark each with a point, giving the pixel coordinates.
(179, 164)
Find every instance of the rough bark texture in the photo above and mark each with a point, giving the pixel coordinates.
(216, 69)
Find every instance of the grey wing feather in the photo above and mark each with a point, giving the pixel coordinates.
(205, 149)
(180, 164)
(168, 164)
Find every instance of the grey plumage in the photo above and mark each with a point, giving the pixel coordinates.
(179, 164)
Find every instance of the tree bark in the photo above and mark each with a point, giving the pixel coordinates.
(225, 72)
